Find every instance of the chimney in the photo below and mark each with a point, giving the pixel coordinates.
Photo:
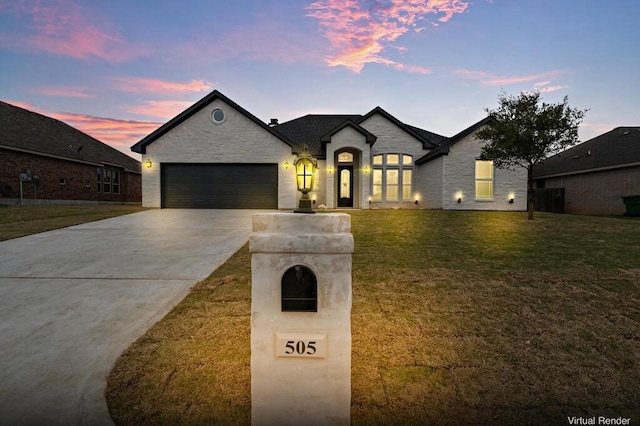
(273, 123)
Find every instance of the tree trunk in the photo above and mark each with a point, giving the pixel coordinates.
(531, 193)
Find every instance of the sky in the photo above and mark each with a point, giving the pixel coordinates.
(119, 69)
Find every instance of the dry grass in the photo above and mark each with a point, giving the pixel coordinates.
(19, 221)
(458, 318)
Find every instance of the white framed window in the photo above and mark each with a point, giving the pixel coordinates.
(392, 177)
(484, 180)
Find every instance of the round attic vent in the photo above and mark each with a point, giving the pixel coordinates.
(218, 116)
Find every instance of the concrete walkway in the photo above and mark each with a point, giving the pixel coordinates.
(73, 299)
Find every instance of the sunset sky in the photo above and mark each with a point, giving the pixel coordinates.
(118, 69)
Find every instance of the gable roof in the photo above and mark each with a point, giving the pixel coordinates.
(141, 147)
(421, 135)
(28, 131)
(619, 147)
(315, 130)
(446, 145)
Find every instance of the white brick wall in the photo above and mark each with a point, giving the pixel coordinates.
(459, 181)
(237, 140)
(429, 178)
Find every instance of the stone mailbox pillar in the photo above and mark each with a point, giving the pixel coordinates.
(300, 319)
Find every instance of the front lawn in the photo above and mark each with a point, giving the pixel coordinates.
(19, 221)
(458, 318)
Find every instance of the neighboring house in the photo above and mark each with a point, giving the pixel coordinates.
(216, 154)
(595, 175)
(51, 162)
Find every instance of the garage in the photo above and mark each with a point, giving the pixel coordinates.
(219, 186)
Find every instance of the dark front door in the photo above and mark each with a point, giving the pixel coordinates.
(345, 186)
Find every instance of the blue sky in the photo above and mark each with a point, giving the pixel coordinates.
(118, 69)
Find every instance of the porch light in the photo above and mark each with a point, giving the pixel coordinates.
(330, 169)
(305, 166)
(286, 165)
(511, 198)
(366, 170)
(459, 200)
(148, 163)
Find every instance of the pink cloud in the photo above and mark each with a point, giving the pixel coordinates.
(138, 85)
(65, 92)
(61, 27)
(489, 79)
(162, 109)
(359, 32)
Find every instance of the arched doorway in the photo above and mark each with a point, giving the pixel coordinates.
(345, 177)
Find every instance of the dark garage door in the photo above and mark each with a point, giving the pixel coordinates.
(220, 186)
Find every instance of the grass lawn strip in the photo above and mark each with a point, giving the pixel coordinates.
(20, 221)
(458, 318)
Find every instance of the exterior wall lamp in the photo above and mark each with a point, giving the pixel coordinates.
(330, 169)
(459, 200)
(148, 163)
(366, 170)
(305, 166)
(286, 165)
(511, 200)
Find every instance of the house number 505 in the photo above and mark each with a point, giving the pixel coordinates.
(300, 347)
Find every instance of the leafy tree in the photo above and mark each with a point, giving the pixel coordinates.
(522, 133)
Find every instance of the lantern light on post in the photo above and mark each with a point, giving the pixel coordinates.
(305, 166)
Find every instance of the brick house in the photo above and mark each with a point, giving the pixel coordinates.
(594, 175)
(55, 163)
(216, 154)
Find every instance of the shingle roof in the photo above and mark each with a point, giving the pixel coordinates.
(314, 130)
(310, 129)
(141, 147)
(28, 131)
(616, 148)
(447, 143)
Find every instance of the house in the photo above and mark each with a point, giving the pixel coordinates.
(49, 161)
(216, 154)
(592, 177)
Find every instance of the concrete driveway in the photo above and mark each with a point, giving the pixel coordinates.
(73, 299)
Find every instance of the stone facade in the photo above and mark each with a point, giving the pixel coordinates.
(458, 181)
(436, 183)
(236, 140)
(61, 180)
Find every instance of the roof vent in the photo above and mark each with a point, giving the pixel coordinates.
(273, 122)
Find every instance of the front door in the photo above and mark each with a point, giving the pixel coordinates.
(345, 186)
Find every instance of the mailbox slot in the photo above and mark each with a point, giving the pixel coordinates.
(299, 290)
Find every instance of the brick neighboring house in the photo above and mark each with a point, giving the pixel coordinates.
(595, 175)
(60, 164)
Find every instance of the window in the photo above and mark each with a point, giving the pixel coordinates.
(345, 157)
(392, 177)
(377, 184)
(484, 180)
(116, 182)
(106, 181)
